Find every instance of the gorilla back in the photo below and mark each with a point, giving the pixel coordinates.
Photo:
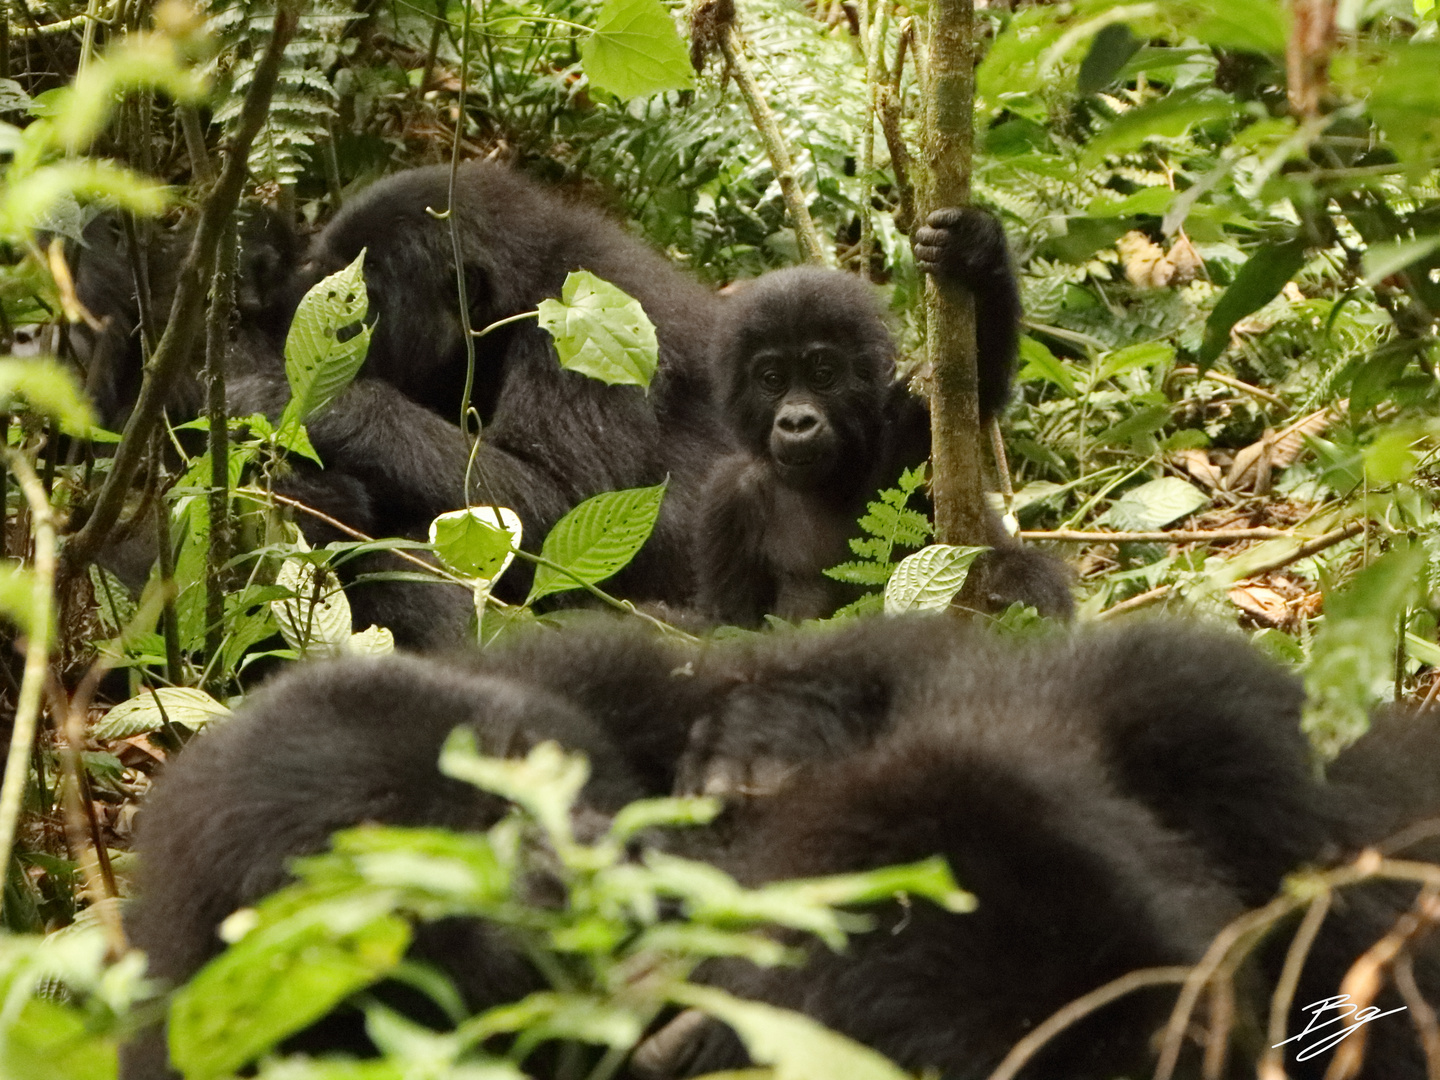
(551, 437)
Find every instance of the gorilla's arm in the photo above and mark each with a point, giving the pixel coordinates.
(963, 247)
(736, 585)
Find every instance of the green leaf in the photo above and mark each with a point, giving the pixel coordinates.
(50, 389)
(860, 573)
(1170, 117)
(1352, 661)
(636, 50)
(17, 595)
(1259, 281)
(315, 619)
(929, 579)
(1143, 422)
(596, 539)
(601, 331)
(1154, 505)
(1145, 355)
(149, 710)
(1041, 364)
(279, 979)
(372, 641)
(1110, 50)
(318, 364)
(797, 1047)
(478, 542)
(1382, 260)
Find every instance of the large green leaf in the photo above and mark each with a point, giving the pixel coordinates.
(596, 539)
(1170, 117)
(49, 389)
(636, 50)
(477, 542)
(929, 579)
(149, 710)
(319, 362)
(601, 331)
(795, 1046)
(1259, 281)
(1154, 505)
(279, 979)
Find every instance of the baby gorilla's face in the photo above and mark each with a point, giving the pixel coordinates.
(800, 386)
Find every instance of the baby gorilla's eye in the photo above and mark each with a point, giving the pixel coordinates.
(772, 379)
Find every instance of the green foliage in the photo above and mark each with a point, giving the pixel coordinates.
(478, 542)
(614, 962)
(601, 331)
(929, 579)
(596, 539)
(887, 523)
(635, 50)
(324, 349)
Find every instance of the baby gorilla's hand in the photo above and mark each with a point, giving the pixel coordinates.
(962, 245)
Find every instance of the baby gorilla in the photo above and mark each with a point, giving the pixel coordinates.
(805, 366)
(1112, 800)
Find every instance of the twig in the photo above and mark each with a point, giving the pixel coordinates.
(1272, 1061)
(1173, 536)
(334, 523)
(1421, 1015)
(1304, 551)
(775, 148)
(1231, 381)
(200, 164)
(81, 827)
(1135, 603)
(37, 655)
(1021, 1053)
(217, 333)
(187, 312)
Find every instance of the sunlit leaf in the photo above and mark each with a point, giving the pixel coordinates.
(601, 331)
(597, 538)
(149, 710)
(929, 579)
(636, 50)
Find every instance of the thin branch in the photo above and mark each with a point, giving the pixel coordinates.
(1272, 1061)
(187, 312)
(217, 334)
(1173, 536)
(1135, 603)
(775, 148)
(1021, 1053)
(81, 827)
(37, 655)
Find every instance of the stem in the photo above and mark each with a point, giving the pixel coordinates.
(217, 332)
(37, 655)
(1174, 536)
(775, 148)
(186, 313)
(200, 163)
(599, 594)
(169, 619)
(950, 317)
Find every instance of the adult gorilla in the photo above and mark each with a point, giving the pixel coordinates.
(394, 455)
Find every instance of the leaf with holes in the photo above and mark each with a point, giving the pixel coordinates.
(315, 619)
(596, 539)
(326, 345)
(601, 331)
(929, 579)
(477, 543)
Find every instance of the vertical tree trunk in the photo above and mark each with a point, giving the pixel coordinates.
(948, 142)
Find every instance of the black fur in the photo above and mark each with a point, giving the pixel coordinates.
(551, 437)
(805, 366)
(1112, 799)
(112, 355)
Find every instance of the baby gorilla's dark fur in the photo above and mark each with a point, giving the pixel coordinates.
(1111, 799)
(805, 366)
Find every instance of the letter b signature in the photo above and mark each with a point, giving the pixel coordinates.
(1342, 1009)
